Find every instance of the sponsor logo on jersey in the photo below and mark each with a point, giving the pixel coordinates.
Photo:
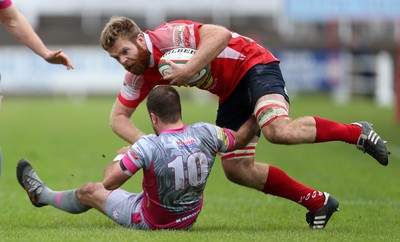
(183, 144)
(115, 215)
(177, 35)
(133, 154)
(179, 220)
(223, 136)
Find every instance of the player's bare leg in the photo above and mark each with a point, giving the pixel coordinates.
(93, 195)
(244, 171)
(272, 114)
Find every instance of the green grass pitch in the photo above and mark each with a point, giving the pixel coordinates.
(69, 142)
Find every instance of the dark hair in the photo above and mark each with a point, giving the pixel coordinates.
(164, 101)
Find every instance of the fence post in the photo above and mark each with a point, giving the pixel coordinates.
(384, 79)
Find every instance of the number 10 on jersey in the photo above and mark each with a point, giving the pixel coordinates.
(194, 172)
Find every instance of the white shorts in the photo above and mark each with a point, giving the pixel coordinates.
(125, 209)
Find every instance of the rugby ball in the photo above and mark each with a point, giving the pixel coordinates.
(181, 56)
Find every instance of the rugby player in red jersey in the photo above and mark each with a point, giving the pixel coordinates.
(248, 81)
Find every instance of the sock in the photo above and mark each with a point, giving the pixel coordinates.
(64, 200)
(328, 130)
(280, 184)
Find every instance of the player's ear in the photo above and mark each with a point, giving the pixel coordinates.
(141, 40)
(153, 118)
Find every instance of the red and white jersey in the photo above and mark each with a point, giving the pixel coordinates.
(5, 3)
(227, 69)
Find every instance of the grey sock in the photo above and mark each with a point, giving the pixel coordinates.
(64, 200)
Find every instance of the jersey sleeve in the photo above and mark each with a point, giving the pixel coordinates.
(5, 4)
(139, 156)
(224, 139)
(128, 166)
(134, 90)
(175, 34)
(230, 138)
(133, 160)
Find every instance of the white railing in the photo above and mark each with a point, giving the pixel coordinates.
(155, 11)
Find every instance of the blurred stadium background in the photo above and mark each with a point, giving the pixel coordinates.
(343, 48)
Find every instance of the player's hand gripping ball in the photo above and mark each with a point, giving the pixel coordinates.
(182, 56)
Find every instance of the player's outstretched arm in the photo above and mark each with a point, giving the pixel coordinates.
(20, 28)
(121, 124)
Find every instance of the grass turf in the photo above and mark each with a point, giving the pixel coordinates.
(68, 141)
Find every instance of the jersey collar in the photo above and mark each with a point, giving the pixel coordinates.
(150, 48)
(173, 130)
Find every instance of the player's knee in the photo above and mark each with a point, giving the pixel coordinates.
(237, 162)
(272, 134)
(87, 190)
(229, 169)
(279, 131)
(271, 115)
(239, 170)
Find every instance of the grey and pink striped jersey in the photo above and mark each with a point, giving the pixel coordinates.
(176, 165)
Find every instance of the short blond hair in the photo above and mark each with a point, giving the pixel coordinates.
(118, 27)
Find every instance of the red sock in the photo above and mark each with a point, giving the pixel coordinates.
(328, 130)
(280, 184)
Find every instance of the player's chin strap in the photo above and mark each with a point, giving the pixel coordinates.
(269, 110)
(247, 152)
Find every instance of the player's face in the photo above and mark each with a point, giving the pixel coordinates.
(132, 56)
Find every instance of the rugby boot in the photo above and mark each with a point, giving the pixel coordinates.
(370, 142)
(30, 181)
(318, 219)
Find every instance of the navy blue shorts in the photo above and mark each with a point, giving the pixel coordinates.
(259, 81)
